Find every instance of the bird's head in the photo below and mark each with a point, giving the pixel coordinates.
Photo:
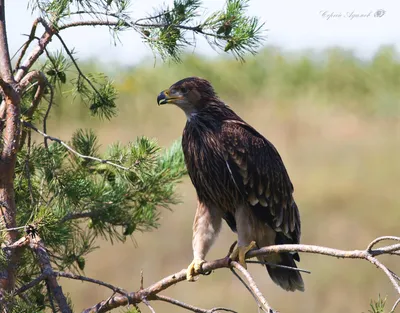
(191, 94)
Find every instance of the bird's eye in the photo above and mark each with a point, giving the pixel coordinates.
(184, 90)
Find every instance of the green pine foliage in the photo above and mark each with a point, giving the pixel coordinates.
(377, 306)
(73, 200)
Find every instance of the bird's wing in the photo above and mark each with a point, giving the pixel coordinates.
(260, 174)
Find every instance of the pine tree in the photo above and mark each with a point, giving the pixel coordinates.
(57, 197)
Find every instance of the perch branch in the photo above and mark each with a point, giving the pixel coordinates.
(151, 292)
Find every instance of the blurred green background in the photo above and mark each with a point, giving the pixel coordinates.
(335, 120)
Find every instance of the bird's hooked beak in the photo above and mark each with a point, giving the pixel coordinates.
(164, 97)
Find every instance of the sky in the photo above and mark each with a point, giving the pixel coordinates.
(290, 24)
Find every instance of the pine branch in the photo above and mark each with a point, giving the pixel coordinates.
(151, 292)
(93, 23)
(27, 124)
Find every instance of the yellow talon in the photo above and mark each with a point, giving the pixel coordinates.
(239, 254)
(193, 269)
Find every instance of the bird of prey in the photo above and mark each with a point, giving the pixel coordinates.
(239, 177)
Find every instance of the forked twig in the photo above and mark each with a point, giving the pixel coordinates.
(144, 300)
(190, 307)
(254, 289)
(379, 239)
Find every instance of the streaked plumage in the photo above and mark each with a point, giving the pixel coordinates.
(239, 176)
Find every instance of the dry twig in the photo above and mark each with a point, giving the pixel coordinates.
(188, 306)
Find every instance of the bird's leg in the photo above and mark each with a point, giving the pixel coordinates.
(239, 253)
(206, 226)
(245, 239)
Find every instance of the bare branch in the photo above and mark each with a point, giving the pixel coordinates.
(73, 150)
(10, 126)
(148, 305)
(151, 292)
(23, 241)
(38, 247)
(43, 42)
(91, 280)
(188, 306)
(379, 239)
(34, 76)
(27, 43)
(31, 284)
(253, 287)
(395, 305)
(247, 287)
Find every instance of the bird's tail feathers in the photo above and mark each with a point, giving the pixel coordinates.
(288, 279)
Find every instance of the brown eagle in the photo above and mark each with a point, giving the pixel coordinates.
(239, 177)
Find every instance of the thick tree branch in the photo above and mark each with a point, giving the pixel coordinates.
(38, 247)
(151, 292)
(10, 126)
(5, 63)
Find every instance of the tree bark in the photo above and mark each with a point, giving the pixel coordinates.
(10, 127)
